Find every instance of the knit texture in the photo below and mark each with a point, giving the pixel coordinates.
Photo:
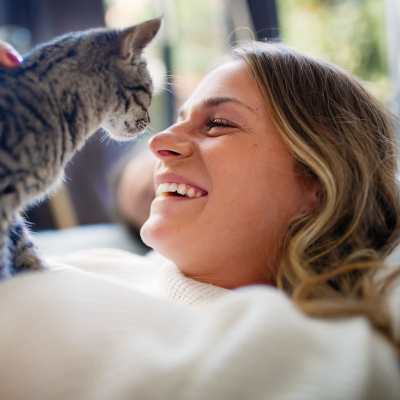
(176, 287)
(152, 274)
(84, 333)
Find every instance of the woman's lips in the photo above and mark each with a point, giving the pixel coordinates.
(178, 198)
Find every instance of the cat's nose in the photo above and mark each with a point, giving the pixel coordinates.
(141, 123)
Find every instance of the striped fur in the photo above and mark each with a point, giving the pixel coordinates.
(62, 93)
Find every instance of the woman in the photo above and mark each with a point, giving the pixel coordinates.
(322, 148)
(287, 169)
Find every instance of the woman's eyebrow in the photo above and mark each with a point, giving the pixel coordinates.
(214, 102)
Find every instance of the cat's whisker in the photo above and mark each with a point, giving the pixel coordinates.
(167, 90)
(150, 130)
(106, 139)
(146, 133)
(173, 76)
(103, 137)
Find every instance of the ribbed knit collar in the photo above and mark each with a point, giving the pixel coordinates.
(178, 288)
(154, 274)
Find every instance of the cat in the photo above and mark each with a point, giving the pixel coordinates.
(62, 93)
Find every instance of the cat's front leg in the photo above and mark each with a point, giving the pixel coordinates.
(24, 254)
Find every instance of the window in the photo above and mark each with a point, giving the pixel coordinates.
(350, 33)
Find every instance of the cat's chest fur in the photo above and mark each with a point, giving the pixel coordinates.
(34, 137)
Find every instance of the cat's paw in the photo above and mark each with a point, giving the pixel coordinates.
(29, 262)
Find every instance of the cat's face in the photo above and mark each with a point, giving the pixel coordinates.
(134, 90)
(132, 83)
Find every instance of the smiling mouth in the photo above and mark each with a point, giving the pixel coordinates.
(179, 190)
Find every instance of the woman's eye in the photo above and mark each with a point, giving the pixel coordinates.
(219, 123)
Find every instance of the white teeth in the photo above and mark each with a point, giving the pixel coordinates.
(191, 192)
(163, 187)
(172, 187)
(181, 188)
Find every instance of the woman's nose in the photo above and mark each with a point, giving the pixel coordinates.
(169, 145)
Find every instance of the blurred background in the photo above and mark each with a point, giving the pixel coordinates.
(363, 36)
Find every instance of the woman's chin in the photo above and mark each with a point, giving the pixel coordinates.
(156, 234)
(170, 242)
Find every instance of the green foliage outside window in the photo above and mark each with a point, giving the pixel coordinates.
(350, 33)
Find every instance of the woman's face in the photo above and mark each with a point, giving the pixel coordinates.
(225, 143)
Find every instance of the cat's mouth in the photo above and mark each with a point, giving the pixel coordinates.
(139, 125)
(130, 130)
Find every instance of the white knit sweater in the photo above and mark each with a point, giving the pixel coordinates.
(118, 326)
(151, 274)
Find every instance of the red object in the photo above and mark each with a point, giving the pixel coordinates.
(14, 58)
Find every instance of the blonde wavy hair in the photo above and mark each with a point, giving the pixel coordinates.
(344, 139)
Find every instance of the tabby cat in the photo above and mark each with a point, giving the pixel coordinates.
(50, 105)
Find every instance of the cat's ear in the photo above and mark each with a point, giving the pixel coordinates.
(136, 38)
